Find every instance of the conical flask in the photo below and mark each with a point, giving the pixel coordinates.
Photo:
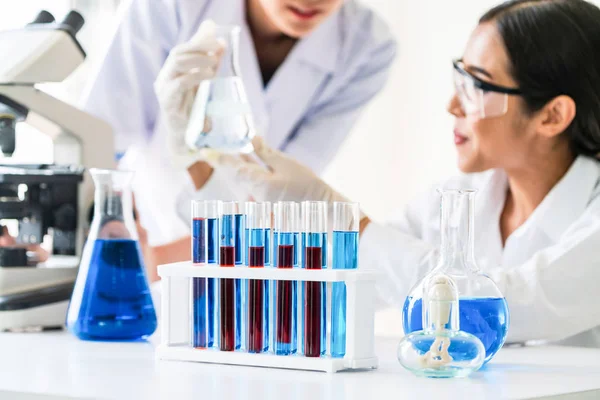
(111, 299)
(221, 117)
(483, 311)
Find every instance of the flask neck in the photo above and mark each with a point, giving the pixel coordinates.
(113, 205)
(457, 231)
(111, 202)
(229, 36)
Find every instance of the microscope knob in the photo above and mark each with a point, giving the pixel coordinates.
(74, 21)
(43, 17)
(13, 257)
(65, 217)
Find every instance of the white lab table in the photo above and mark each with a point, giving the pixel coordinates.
(58, 364)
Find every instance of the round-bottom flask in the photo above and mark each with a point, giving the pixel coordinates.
(483, 309)
(441, 350)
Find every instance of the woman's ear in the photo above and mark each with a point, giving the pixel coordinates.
(556, 116)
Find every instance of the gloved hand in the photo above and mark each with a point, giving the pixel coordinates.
(187, 65)
(283, 179)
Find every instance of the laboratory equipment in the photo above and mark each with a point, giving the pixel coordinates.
(38, 200)
(256, 218)
(346, 221)
(50, 200)
(361, 295)
(221, 117)
(314, 214)
(483, 310)
(287, 221)
(240, 286)
(441, 350)
(229, 300)
(203, 290)
(111, 298)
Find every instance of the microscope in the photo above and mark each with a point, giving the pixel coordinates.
(45, 201)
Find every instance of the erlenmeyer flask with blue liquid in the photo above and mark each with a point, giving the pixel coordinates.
(483, 311)
(111, 299)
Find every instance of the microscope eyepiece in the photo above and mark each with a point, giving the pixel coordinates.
(43, 17)
(74, 21)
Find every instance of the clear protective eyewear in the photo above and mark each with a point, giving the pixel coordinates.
(480, 98)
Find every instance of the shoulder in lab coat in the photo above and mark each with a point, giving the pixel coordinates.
(306, 110)
(548, 270)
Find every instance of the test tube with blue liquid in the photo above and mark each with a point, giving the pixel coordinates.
(314, 214)
(229, 304)
(205, 215)
(287, 221)
(257, 321)
(346, 221)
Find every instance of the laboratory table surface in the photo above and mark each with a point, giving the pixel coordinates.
(53, 365)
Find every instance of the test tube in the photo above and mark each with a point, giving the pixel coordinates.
(239, 234)
(346, 221)
(269, 285)
(199, 294)
(314, 214)
(287, 216)
(213, 209)
(203, 290)
(256, 221)
(268, 226)
(240, 224)
(227, 292)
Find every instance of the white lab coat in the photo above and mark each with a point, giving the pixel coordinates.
(306, 110)
(548, 270)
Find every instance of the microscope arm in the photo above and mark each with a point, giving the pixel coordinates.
(78, 137)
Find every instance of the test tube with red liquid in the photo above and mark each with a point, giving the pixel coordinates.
(227, 287)
(314, 215)
(287, 221)
(256, 222)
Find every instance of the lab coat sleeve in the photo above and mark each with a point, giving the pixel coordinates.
(320, 134)
(555, 294)
(552, 296)
(122, 92)
(398, 252)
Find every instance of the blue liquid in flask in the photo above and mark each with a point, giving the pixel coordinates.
(485, 317)
(115, 303)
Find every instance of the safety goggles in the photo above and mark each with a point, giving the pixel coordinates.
(480, 98)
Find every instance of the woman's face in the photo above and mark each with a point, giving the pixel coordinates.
(297, 18)
(503, 141)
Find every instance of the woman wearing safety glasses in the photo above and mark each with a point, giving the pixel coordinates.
(527, 131)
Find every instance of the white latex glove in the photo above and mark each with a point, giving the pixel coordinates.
(187, 65)
(284, 180)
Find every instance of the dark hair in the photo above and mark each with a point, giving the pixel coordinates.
(554, 47)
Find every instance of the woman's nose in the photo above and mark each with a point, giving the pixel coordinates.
(454, 107)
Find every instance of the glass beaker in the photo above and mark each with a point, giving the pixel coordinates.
(111, 299)
(221, 117)
(483, 311)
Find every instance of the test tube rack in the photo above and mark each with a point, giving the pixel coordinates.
(360, 309)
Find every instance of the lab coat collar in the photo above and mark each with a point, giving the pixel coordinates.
(568, 199)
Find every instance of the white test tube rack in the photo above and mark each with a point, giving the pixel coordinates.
(176, 321)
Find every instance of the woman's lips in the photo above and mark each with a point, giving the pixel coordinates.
(459, 138)
(304, 14)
